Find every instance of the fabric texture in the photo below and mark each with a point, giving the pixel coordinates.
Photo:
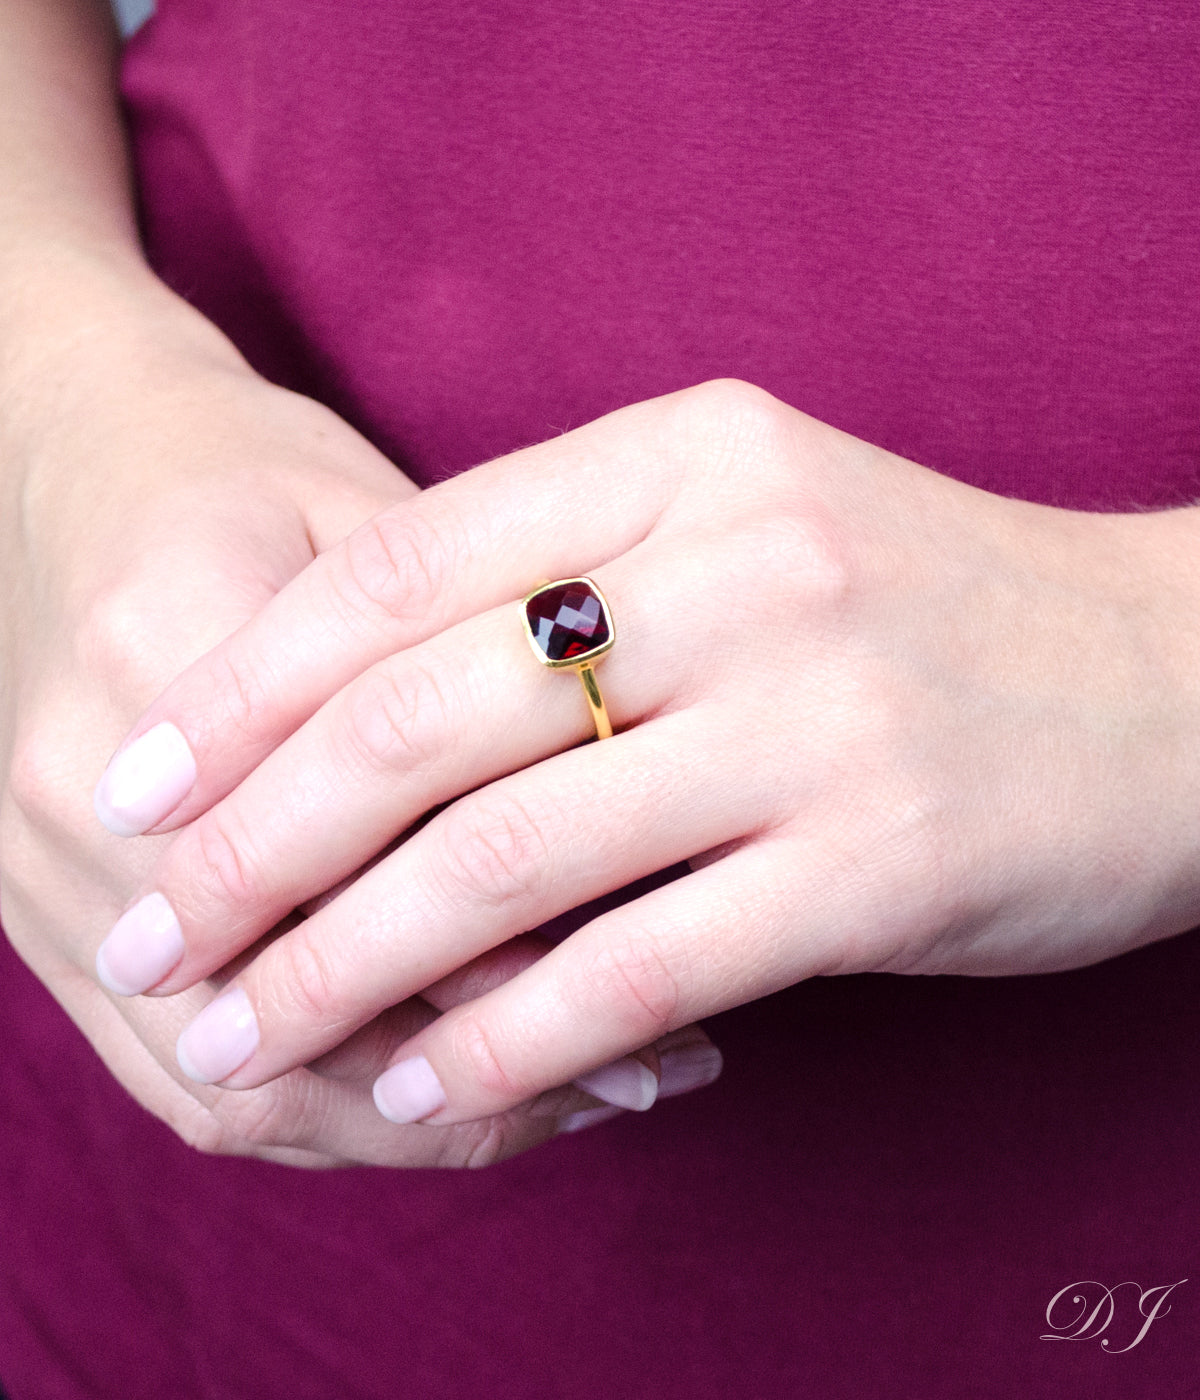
(962, 229)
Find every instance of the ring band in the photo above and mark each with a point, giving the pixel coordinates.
(569, 628)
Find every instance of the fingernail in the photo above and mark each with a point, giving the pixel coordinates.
(409, 1091)
(143, 945)
(145, 781)
(588, 1117)
(626, 1083)
(220, 1040)
(687, 1068)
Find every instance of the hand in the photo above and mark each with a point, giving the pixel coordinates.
(894, 722)
(159, 494)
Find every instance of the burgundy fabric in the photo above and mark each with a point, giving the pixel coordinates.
(962, 229)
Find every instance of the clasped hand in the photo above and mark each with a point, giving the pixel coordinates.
(892, 722)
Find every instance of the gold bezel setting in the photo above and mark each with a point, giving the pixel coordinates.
(581, 661)
(566, 663)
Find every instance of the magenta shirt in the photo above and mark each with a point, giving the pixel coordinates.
(963, 229)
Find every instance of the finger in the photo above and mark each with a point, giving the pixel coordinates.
(342, 504)
(360, 1056)
(305, 1119)
(304, 1112)
(633, 1083)
(299, 1119)
(497, 862)
(684, 1060)
(466, 545)
(656, 962)
(413, 732)
(368, 1051)
(143, 1075)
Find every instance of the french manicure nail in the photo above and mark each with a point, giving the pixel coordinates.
(588, 1117)
(145, 781)
(626, 1083)
(688, 1067)
(220, 1040)
(409, 1091)
(143, 945)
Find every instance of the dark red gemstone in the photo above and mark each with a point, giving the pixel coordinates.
(567, 620)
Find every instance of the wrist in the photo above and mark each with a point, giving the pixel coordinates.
(80, 326)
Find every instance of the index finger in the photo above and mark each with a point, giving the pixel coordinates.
(465, 545)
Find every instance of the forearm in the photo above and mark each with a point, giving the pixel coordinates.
(73, 281)
(66, 214)
(62, 150)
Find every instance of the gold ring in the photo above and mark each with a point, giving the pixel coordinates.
(569, 628)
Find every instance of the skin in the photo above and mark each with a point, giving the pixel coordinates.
(896, 724)
(155, 494)
(953, 734)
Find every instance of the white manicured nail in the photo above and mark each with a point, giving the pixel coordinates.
(220, 1040)
(146, 781)
(409, 1091)
(626, 1083)
(143, 945)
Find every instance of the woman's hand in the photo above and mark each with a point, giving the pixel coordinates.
(157, 495)
(895, 723)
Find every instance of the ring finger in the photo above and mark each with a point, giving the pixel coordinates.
(412, 732)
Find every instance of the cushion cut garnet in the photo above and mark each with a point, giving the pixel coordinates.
(567, 620)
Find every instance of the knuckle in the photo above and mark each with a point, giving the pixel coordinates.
(202, 1129)
(490, 1146)
(201, 1134)
(474, 1048)
(805, 554)
(51, 773)
(123, 639)
(495, 852)
(730, 422)
(245, 699)
(305, 981)
(398, 563)
(224, 863)
(817, 556)
(113, 641)
(483, 1143)
(737, 399)
(41, 779)
(249, 1120)
(637, 982)
(394, 716)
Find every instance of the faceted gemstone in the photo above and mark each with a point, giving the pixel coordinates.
(567, 620)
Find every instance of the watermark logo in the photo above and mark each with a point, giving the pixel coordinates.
(1093, 1307)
